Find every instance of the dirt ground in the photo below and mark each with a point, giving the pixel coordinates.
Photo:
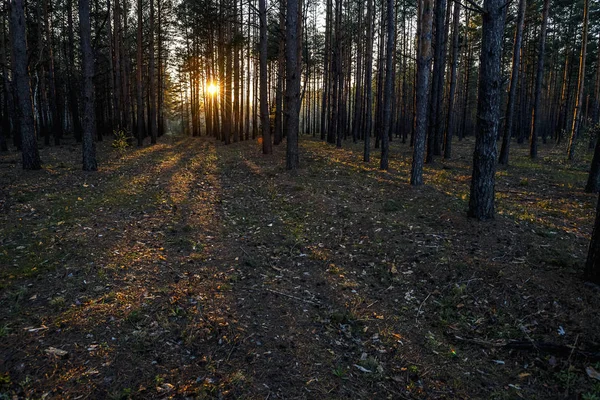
(190, 269)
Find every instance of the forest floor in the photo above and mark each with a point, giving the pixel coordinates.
(190, 269)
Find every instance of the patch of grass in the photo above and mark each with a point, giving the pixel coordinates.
(391, 206)
(183, 243)
(334, 269)
(342, 317)
(26, 382)
(566, 377)
(58, 302)
(561, 257)
(4, 329)
(251, 262)
(590, 396)
(5, 379)
(237, 378)
(339, 372)
(122, 394)
(524, 182)
(134, 317)
(177, 312)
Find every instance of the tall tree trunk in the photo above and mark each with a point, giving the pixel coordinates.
(160, 111)
(433, 145)
(41, 105)
(326, 69)
(580, 83)
(592, 265)
(227, 92)
(593, 182)
(8, 106)
(563, 99)
(380, 74)
(596, 116)
(56, 124)
(293, 61)
(278, 131)
(118, 115)
(264, 102)
(369, 83)
(481, 201)
(240, 52)
(152, 79)
(333, 133)
(89, 113)
(539, 78)
(452, 91)
(235, 75)
(247, 119)
(405, 103)
(255, 82)
(387, 104)
(138, 77)
(514, 83)
(72, 86)
(467, 78)
(358, 102)
(30, 154)
(126, 75)
(425, 21)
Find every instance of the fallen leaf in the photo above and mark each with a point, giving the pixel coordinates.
(363, 369)
(57, 352)
(592, 373)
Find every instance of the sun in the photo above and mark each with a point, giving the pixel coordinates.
(212, 88)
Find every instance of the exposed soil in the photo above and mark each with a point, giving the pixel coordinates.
(191, 269)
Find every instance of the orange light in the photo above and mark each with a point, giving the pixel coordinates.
(212, 89)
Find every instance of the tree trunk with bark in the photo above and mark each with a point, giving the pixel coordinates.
(539, 78)
(368, 83)
(89, 112)
(138, 77)
(8, 106)
(514, 82)
(278, 131)
(481, 201)
(264, 102)
(388, 87)
(25, 118)
(326, 69)
(73, 84)
(580, 84)
(452, 90)
(592, 264)
(293, 61)
(435, 105)
(425, 21)
(151, 79)
(358, 102)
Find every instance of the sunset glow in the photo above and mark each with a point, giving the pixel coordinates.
(212, 89)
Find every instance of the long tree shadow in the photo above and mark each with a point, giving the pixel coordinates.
(397, 260)
(130, 306)
(208, 271)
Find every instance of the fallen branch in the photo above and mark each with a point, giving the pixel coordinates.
(421, 306)
(526, 345)
(294, 297)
